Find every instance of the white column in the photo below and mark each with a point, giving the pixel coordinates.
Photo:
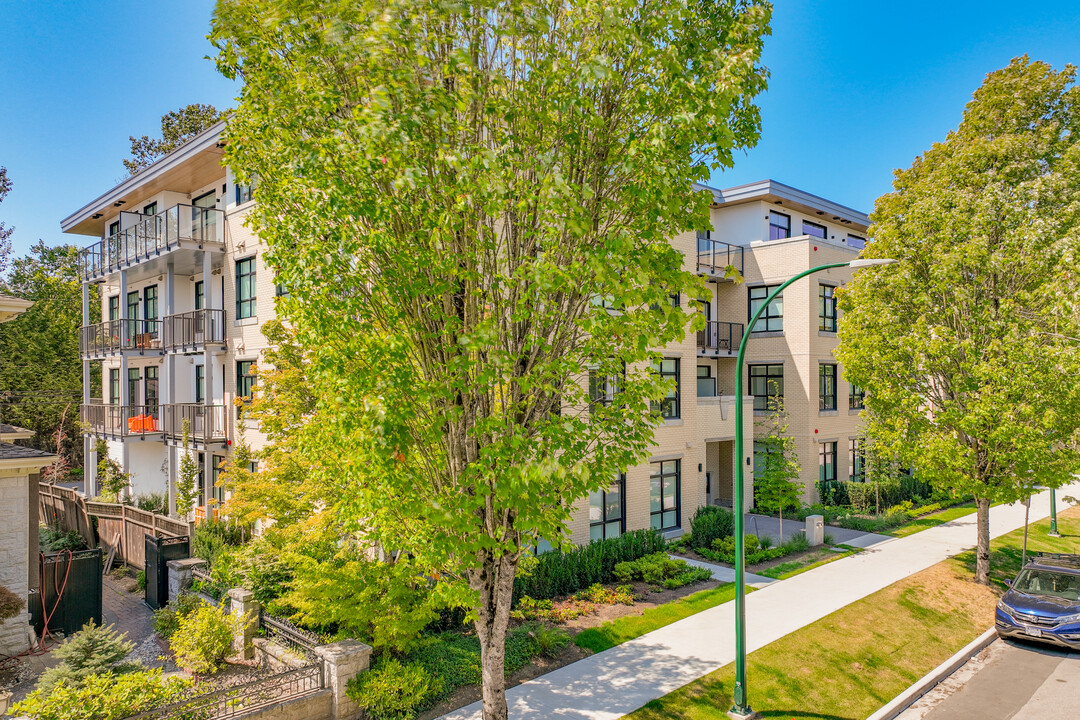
(209, 302)
(89, 464)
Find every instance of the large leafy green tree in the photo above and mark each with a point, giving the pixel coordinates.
(964, 348)
(177, 127)
(472, 204)
(41, 372)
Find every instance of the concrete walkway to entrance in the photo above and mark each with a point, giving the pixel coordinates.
(612, 683)
(764, 525)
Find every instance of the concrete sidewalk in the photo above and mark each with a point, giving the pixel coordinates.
(725, 574)
(764, 525)
(610, 684)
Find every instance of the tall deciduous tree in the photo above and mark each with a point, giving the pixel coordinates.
(963, 348)
(177, 127)
(41, 372)
(448, 189)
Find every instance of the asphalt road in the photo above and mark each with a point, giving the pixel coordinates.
(1011, 681)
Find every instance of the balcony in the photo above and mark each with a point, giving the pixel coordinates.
(719, 339)
(205, 423)
(112, 337)
(119, 421)
(715, 257)
(179, 226)
(193, 331)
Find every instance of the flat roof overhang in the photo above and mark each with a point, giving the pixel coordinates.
(786, 196)
(184, 170)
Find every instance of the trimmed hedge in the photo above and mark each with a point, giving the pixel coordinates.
(558, 573)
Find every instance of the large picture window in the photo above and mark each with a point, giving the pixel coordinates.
(245, 288)
(669, 406)
(664, 495)
(779, 226)
(607, 512)
(766, 385)
(813, 229)
(772, 320)
(826, 308)
(827, 461)
(826, 386)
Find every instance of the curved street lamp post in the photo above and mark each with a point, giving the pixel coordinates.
(741, 707)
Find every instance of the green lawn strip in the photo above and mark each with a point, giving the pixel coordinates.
(850, 663)
(795, 567)
(932, 520)
(626, 628)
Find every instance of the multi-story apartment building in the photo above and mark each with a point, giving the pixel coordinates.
(184, 291)
(769, 232)
(183, 294)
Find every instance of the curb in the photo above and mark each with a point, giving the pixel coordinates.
(908, 697)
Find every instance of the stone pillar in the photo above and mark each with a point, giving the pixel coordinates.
(341, 663)
(180, 575)
(245, 612)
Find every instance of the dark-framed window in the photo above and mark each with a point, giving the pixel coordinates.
(602, 388)
(133, 386)
(669, 406)
(607, 511)
(114, 227)
(826, 386)
(827, 461)
(200, 383)
(114, 386)
(245, 381)
(856, 398)
(826, 308)
(150, 209)
(706, 383)
(856, 460)
(152, 386)
(133, 305)
(218, 491)
(779, 226)
(114, 307)
(766, 385)
(772, 320)
(206, 200)
(200, 298)
(856, 241)
(813, 229)
(150, 302)
(664, 495)
(280, 290)
(245, 288)
(244, 192)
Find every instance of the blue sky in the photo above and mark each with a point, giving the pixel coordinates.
(857, 89)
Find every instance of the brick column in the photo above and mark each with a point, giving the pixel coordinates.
(341, 662)
(245, 612)
(180, 575)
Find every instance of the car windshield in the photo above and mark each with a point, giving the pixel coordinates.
(1048, 583)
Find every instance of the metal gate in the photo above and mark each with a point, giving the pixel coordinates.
(159, 551)
(70, 591)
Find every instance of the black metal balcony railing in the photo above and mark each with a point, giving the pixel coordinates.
(720, 337)
(114, 335)
(122, 420)
(193, 330)
(715, 257)
(205, 423)
(152, 236)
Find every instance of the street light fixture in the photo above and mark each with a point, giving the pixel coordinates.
(740, 709)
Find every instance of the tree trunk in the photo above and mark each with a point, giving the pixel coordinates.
(494, 580)
(982, 551)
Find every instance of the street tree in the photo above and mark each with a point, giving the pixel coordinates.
(472, 206)
(965, 347)
(41, 372)
(776, 464)
(177, 127)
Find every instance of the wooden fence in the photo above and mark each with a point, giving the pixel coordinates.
(68, 510)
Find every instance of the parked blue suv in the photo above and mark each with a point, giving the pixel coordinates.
(1043, 602)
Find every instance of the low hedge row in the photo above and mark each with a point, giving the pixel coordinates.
(556, 572)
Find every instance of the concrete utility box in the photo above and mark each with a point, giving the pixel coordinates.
(815, 529)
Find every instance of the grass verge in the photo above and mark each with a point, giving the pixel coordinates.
(852, 662)
(932, 520)
(626, 628)
(807, 562)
